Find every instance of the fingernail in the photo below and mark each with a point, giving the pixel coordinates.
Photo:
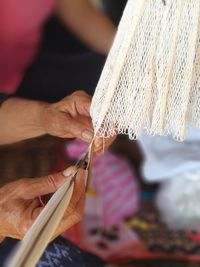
(87, 135)
(69, 171)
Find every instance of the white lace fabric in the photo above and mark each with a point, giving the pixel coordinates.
(151, 79)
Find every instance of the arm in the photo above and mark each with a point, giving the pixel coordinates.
(91, 25)
(22, 119)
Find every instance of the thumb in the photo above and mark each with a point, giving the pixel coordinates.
(47, 184)
(81, 128)
(81, 132)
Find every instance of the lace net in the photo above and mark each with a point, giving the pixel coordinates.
(151, 79)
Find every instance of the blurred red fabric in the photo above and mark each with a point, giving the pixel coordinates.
(20, 35)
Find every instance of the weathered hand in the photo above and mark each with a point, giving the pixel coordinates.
(20, 206)
(69, 117)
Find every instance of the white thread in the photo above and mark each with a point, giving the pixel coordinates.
(151, 78)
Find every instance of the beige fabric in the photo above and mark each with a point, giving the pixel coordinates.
(151, 78)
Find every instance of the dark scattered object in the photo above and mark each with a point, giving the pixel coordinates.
(94, 231)
(115, 228)
(110, 236)
(102, 245)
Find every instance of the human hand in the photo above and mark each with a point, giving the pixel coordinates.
(102, 144)
(69, 118)
(20, 206)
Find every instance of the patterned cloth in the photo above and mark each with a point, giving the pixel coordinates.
(63, 253)
(59, 253)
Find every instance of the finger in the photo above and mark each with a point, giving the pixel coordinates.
(78, 192)
(77, 103)
(68, 127)
(79, 130)
(102, 144)
(74, 211)
(30, 213)
(36, 212)
(76, 216)
(45, 185)
(72, 218)
(85, 121)
(81, 93)
(35, 203)
(68, 220)
(76, 204)
(81, 106)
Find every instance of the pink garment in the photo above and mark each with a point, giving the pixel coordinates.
(20, 34)
(115, 183)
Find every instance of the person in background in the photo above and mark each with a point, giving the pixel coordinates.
(49, 68)
(27, 72)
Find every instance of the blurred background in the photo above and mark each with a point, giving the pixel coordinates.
(132, 234)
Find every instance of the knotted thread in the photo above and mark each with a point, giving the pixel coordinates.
(151, 79)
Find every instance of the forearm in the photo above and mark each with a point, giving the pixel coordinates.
(90, 24)
(20, 119)
(99, 31)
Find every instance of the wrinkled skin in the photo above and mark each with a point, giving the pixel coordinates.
(70, 118)
(20, 206)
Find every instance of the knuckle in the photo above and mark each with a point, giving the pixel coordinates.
(79, 94)
(82, 92)
(63, 102)
(50, 180)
